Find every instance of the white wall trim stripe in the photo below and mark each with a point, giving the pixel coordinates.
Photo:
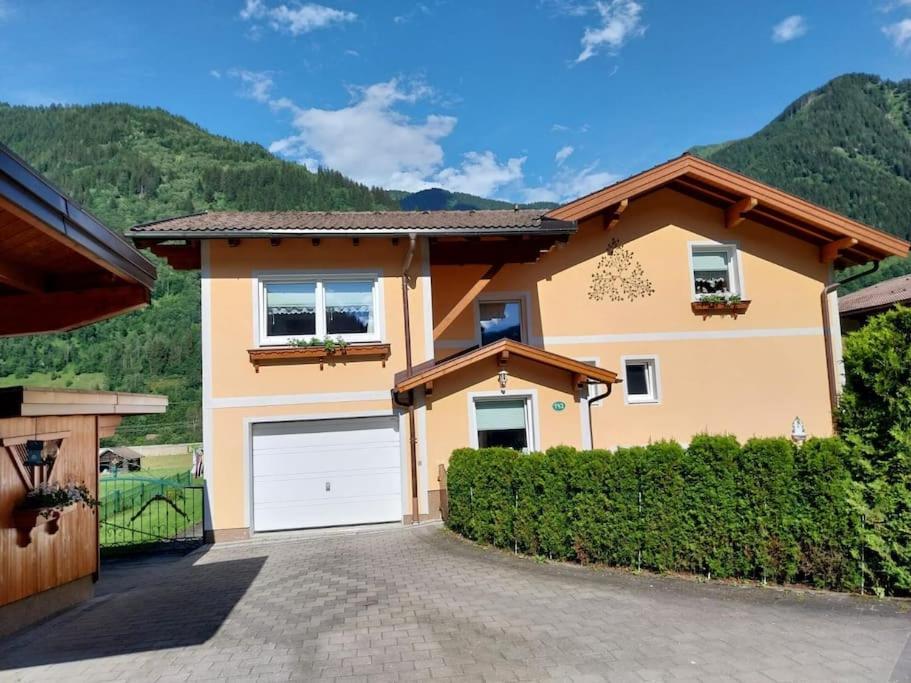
(208, 443)
(298, 399)
(685, 336)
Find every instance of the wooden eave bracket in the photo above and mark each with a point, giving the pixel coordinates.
(829, 252)
(735, 214)
(503, 358)
(611, 217)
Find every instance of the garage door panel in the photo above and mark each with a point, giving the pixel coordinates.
(294, 487)
(293, 461)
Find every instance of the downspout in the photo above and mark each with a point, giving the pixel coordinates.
(412, 436)
(834, 373)
(591, 425)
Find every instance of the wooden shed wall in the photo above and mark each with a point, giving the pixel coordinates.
(50, 560)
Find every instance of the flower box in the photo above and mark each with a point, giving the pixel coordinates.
(732, 308)
(26, 519)
(280, 355)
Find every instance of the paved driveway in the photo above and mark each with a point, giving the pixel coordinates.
(417, 604)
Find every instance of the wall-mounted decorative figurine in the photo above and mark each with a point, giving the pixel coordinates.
(619, 276)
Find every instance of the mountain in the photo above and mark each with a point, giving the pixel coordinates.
(846, 146)
(129, 165)
(437, 199)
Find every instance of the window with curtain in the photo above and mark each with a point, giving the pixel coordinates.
(714, 270)
(323, 307)
(290, 309)
(502, 422)
(499, 319)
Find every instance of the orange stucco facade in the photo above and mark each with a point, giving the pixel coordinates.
(748, 375)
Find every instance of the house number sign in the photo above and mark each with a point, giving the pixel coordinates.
(559, 405)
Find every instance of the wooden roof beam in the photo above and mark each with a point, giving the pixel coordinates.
(21, 278)
(735, 214)
(467, 298)
(611, 218)
(829, 252)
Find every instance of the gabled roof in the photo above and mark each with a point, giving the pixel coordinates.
(881, 295)
(503, 350)
(838, 237)
(351, 223)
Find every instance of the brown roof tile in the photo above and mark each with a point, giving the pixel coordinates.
(881, 295)
(235, 223)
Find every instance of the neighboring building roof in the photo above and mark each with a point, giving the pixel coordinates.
(841, 238)
(60, 267)
(351, 223)
(503, 349)
(881, 295)
(121, 452)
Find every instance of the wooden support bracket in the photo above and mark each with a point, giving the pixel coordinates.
(503, 359)
(612, 219)
(829, 252)
(734, 215)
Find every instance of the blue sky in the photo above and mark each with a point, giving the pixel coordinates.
(518, 99)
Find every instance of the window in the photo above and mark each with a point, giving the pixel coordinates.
(502, 422)
(320, 307)
(499, 319)
(715, 269)
(640, 379)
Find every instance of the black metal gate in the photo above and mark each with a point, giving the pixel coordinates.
(142, 513)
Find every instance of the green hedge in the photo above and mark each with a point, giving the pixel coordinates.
(764, 510)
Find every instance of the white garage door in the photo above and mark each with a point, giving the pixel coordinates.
(326, 473)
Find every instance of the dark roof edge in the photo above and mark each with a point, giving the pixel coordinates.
(26, 188)
(552, 227)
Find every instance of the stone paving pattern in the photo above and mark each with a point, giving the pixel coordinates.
(405, 604)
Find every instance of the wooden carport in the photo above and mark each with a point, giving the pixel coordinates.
(60, 267)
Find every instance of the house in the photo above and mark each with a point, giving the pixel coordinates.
(59, 268)
(683, 299)
(119, 458)
(855, 308)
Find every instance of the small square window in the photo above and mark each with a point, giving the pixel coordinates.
(714, 270)
(640, 380)
(290, 309)
(499, 320)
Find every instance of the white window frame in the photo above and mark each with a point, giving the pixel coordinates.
(735, 270)
(522, 298)
(530, 396)
(653, 379)
(319, 279)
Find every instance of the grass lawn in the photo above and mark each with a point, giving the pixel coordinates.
(62, 380)
(149, 505)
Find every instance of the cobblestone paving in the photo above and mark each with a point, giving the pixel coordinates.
(419, 604)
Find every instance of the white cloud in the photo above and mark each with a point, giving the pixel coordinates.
(256, 85)
(621, 20)
(899, 33)
(481, 174)
(352, 53)
(215, 73)
(418, 10)
(570, 184)
(563, 154)
(789, 29)
(374, 142)
(296, 19)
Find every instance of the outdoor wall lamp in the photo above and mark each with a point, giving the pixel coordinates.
(503, 376)
(798, 432)
(39, 453)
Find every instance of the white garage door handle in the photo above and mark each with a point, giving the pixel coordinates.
(328, 486)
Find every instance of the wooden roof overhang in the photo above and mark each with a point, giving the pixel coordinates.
(60, 267)
(503, 351)
(840, 240)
